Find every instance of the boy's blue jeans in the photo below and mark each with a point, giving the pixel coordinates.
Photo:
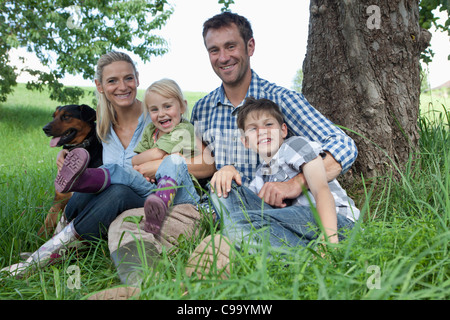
(247, 219)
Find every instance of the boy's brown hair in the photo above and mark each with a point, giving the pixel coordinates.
(260, 105)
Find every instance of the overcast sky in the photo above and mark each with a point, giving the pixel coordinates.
(280, 30)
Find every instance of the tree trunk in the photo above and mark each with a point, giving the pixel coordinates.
(362, 71)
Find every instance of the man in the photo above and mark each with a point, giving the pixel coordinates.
(228, 38)
(229, 41)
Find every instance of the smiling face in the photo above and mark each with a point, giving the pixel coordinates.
(119, 84)
(263, 134)
(165, 112)
(229, 54)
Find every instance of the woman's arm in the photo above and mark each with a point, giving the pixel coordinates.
(148, 155)
(201, 166)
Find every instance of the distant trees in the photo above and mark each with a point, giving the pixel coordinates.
(298, 81)
(70, 38)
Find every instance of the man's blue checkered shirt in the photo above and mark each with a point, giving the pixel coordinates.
(214, 118)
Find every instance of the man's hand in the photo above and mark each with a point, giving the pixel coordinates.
(274, 193)
(221, 180)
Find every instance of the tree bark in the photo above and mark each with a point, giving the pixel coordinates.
(362, 71)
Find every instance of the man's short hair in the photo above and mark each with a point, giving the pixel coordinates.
(226, 19)
(259, 105)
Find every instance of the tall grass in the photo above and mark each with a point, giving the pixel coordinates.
(399, 250)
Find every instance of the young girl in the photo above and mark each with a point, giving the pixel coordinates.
(168, 133)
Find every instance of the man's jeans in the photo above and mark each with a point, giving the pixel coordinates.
(247, 219)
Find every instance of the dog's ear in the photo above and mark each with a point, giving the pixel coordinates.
(87, 113)
(56, 110)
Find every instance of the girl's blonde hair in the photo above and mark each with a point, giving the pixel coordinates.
(168, 89)
(105, 111)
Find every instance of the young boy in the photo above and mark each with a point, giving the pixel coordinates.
(264, 131)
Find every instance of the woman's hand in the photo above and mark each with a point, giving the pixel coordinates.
(148, 169)
(60, 158)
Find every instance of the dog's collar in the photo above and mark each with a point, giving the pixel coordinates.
(86, 143)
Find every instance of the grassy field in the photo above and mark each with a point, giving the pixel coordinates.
(398, 251)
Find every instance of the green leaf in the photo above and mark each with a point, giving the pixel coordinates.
(133, 219)
(77, 34)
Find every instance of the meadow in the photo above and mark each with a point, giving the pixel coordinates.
(398, 251)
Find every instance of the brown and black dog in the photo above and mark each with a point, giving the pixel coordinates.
(73, 126)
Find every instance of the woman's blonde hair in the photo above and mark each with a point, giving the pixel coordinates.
(168, 89)
(105, 111)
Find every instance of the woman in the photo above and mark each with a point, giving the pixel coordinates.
(120, 123)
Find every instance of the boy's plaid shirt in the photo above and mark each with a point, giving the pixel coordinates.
(214, 118)
(288, 162)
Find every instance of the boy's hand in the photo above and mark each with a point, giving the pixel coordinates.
(221, 180)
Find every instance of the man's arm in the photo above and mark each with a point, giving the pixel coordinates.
(304, 120)
(274, 193)
(202, 166)
(332, 168)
